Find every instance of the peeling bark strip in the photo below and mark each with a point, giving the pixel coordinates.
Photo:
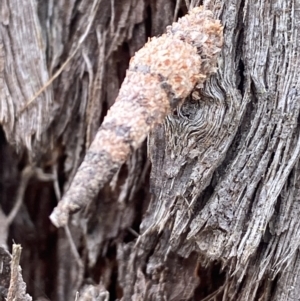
(23, 71)
(160, 76)
(17, 287)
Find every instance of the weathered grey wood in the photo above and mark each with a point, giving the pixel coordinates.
(232, 222)
(23, 71)
(219, 217)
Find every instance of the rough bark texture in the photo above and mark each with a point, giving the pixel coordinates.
(211, 214)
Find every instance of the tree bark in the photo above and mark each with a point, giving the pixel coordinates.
(207, 209)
